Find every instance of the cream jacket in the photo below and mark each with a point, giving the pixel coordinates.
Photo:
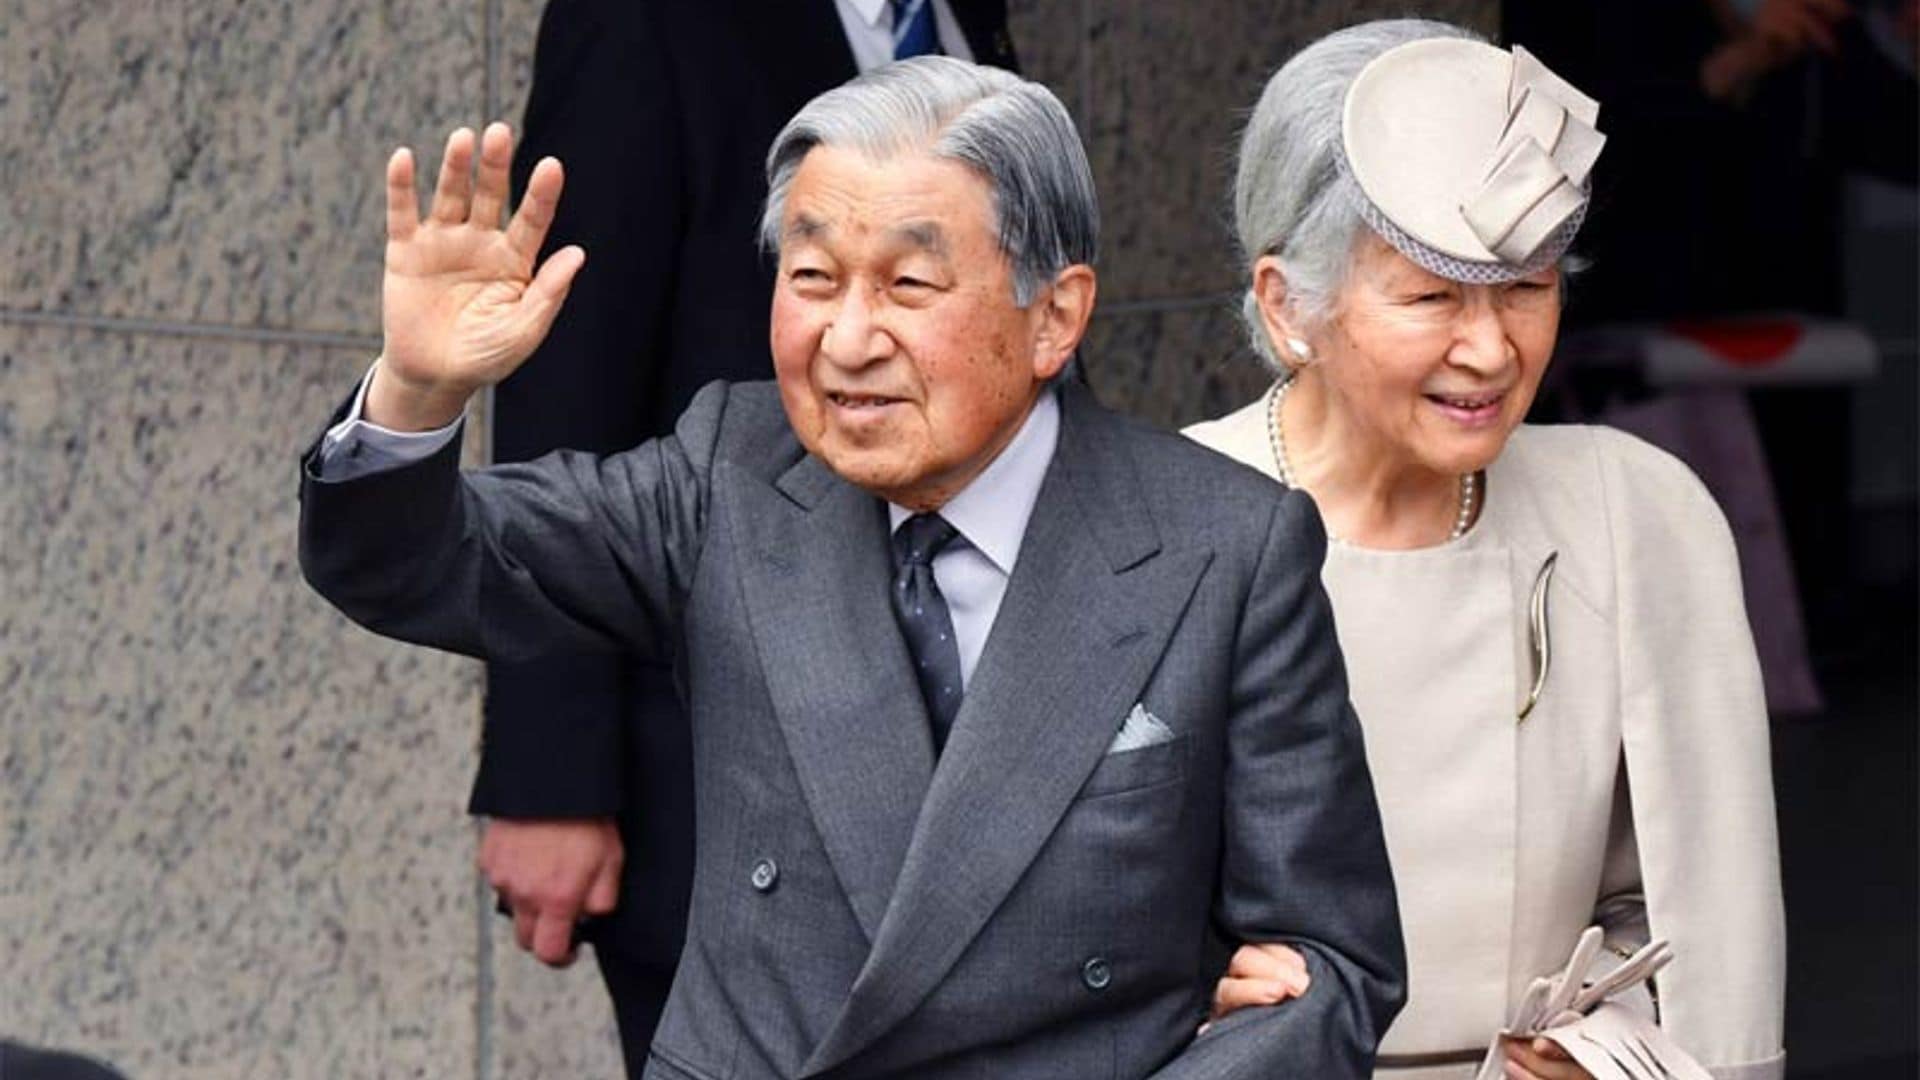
(1637, 794)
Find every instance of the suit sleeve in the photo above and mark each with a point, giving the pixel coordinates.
(569, 553)
(1305, 861)
(603, 103)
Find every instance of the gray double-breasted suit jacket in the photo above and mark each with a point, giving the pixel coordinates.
(1030, 905)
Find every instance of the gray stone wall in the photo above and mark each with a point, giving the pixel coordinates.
(232, 839)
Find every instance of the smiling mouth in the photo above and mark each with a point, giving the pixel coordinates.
(1467, 404)
(860, 401)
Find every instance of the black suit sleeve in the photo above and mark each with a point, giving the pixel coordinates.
(603, 103)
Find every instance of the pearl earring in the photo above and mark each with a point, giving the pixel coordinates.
(1300, 349)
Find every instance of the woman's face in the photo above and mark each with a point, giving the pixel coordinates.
(1431, 371)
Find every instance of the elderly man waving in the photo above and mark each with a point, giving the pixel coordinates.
(1008, 713)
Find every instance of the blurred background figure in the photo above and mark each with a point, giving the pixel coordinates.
(586, 770)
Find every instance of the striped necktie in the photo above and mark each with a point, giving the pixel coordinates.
(913, 33)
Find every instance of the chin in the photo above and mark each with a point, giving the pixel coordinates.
(1468, 455)
(868, 471)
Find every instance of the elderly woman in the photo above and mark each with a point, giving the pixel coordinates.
(1543, 625)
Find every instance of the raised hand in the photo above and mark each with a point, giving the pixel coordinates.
(461, 303)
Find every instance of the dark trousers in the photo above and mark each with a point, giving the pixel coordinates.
(639, 993)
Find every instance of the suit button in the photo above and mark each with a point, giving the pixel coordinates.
(766, 874)
(1096, 973)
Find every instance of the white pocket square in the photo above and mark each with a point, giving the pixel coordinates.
(1141, 729)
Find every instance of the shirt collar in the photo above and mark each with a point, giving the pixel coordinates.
(869, 10)
(992, 511)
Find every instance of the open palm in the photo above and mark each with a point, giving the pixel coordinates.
(462, 305)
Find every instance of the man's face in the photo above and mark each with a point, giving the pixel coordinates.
(902, 360)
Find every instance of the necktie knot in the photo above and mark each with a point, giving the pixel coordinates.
(921, 537)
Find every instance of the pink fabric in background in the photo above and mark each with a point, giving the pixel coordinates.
(1712, 430)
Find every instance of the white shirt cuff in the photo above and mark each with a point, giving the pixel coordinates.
(354, 447)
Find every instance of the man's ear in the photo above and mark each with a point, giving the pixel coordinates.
(1062, 309)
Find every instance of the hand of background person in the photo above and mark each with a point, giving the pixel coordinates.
(551, 873)
(1259, 975)
(1780, 32)
(1792, 27)
(1541, 1059)
(461, 303)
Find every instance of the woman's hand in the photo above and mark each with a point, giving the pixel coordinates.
(461, 305)
(1543, 1059)
(1259, 975)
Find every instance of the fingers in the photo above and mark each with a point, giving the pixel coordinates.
(1232, 995)
(403, 206)
(1267, 962)
(454, 193)
(605, 891)
(528, 229)
(524, 921)
(1543, 1059)
(544, 929)
(490, 192)
(1813, 27)
(553, 937)
(541, 301)
(1820, 32)
(1551, 1050)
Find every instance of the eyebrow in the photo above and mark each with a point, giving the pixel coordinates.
(805, 227)
(925, 235)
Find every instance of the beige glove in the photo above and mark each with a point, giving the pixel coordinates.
(1611, 1042)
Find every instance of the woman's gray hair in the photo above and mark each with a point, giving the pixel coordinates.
(1013, 132)
(1291, 197)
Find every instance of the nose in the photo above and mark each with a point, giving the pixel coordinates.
(1481, 341)
(855, 337)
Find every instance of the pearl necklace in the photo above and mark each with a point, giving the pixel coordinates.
(1469, 485)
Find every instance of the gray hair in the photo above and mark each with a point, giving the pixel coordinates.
(1014, 133)
(1291, 198)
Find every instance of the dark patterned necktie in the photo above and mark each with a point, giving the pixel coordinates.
(913, 33)
(925, 621)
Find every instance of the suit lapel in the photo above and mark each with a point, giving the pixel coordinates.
(815, 573)
(1086, 615)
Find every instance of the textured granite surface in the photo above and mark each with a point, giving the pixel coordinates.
(1173, 367)
(1170, 84)
(549, 1024)
(218, 162)
(230, 821)
(1047, 39)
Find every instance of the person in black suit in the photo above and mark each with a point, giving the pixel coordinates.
(19, 1061)
(590, 810)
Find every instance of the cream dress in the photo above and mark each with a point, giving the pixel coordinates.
(1508, 836)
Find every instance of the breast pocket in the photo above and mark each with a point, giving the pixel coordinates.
(1133, 770)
